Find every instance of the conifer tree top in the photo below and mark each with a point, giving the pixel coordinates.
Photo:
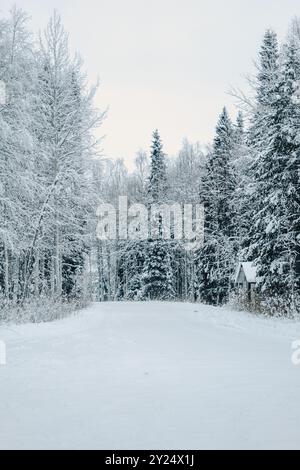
(223, 138)
(158, 176)
(268, 67)
(240, 123)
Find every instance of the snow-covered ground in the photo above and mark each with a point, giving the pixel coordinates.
(151, 376)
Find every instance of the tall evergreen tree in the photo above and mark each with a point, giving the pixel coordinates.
(242, 162)
(266, 89)
(274, 235)
(158, 279)
(158, 175)
(215, 260)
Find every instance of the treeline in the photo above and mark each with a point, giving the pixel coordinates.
(248, 182)
(52, 181)
(47, 145)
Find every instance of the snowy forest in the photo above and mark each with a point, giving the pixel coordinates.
(53, 177)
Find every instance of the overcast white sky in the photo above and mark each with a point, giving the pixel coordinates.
(163, 64)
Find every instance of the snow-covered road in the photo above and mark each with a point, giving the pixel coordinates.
(151, 376)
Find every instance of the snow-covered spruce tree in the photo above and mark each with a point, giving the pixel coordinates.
(258, 134)
(157, 190)
(266, 89)
(240, 127)
(275, 232)
(242, 163)
(158, 278)
(215, 260)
